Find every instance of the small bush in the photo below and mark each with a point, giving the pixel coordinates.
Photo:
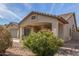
(5, 40)
(42, 43)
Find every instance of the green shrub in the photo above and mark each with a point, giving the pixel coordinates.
(42, 43)
(5, 40)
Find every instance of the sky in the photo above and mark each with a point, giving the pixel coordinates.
(15, 12)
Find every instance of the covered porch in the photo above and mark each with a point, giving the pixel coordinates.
(38, 26)
(41, 26)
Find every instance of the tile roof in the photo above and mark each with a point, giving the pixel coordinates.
(45, 14)
(68, 15)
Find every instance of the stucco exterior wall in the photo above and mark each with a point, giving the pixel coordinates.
(28, 20)
(67, 27)
(55, 28)
(75, 36)
(66, 31)
(51, 20)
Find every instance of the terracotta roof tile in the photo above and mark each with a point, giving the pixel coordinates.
(49, 15)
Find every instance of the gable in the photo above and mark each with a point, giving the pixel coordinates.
(70, 17)
(28, 18)
(66, 16)
(12, 26)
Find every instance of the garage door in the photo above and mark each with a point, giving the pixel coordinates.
(14, 33)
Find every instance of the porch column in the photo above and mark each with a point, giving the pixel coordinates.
(18, 33)
(21, 33)
(55, 28)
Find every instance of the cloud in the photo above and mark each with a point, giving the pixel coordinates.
(28, 5)
(7, 14)
(52, 7)
(3, 6)
(71, 8)
(60, 7)
(1, 17)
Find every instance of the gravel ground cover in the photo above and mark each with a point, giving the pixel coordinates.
(69, 49)
(17, 50)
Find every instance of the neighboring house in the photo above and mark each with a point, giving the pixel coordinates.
(13, 28)
(62, 25)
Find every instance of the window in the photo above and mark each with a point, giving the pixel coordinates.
(33, 17)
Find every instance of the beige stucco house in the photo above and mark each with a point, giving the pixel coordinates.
(62, 26)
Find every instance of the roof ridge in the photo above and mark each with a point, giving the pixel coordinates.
(44, 13)
(66, 13)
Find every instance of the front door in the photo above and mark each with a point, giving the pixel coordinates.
(26, 31)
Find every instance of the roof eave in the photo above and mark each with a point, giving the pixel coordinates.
(62, 20)
(59, 18)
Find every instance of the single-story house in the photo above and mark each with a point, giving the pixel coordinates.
(61, 25)
(13, 28)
